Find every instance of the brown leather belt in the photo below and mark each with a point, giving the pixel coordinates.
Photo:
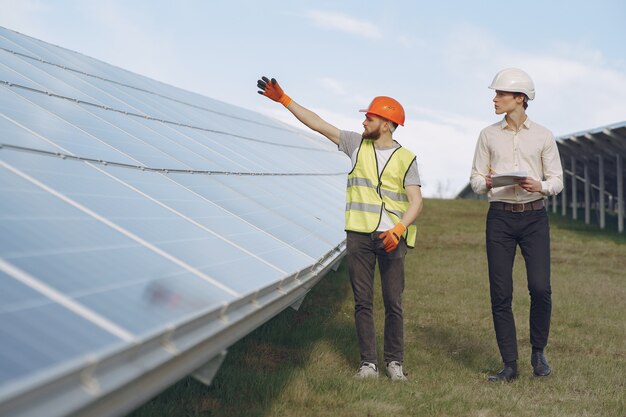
(517, 207)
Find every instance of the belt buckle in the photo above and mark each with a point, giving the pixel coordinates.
(515, 206)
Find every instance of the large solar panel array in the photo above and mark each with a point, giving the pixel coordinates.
(143, 229)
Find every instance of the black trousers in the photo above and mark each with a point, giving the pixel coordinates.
(363, 250)
(531, 231)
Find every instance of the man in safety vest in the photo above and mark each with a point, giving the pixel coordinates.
(383, 201)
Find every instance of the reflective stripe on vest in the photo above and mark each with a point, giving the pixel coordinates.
(368, 194)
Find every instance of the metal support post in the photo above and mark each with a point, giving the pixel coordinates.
(564, 193)
(620, 195)
(587, 192)
(602, 191)
(574, 191)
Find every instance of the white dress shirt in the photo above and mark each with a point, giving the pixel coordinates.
(501, 149)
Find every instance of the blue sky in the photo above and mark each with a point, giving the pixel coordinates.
(436, 58)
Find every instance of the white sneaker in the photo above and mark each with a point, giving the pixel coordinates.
(394, 370)
(367, 370)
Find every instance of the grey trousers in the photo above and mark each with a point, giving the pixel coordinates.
(531, 231)
(363, 250)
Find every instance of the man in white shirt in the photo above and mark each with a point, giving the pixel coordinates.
(383, 199)
(517, 215)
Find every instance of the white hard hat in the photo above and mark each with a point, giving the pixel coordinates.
(514, 80)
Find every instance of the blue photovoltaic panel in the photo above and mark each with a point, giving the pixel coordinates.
(27, 319)
(139, 221)
(72, 252)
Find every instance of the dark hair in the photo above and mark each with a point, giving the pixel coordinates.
(525, 99)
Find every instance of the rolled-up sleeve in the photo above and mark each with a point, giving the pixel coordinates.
(552, 183)
(480, 166)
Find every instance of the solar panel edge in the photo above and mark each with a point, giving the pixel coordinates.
(128, 376)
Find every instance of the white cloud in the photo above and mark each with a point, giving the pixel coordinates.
(577, 95)
(344, 23)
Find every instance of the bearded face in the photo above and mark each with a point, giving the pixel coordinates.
(372, 128)
(373, 135)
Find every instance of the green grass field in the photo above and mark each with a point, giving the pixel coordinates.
(301, 363)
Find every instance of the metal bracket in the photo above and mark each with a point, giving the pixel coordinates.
(296, 304)
(206, 372)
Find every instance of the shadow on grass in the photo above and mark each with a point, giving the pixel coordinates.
(591, 230)
(458, 345)
(259, 367)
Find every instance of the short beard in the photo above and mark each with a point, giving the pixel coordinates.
(372, 136)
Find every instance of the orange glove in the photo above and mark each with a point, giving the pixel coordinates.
(392, 236)
(272, 90)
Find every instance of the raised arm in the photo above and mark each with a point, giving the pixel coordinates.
(272, 90)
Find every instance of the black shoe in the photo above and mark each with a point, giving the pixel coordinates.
(505, 375)
(540, 364)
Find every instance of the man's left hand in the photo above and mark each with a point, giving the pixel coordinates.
(530, 184)
(391, 237)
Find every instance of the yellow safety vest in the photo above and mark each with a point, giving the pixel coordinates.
(369, 194)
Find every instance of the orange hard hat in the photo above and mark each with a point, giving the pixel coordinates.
(387, 108)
